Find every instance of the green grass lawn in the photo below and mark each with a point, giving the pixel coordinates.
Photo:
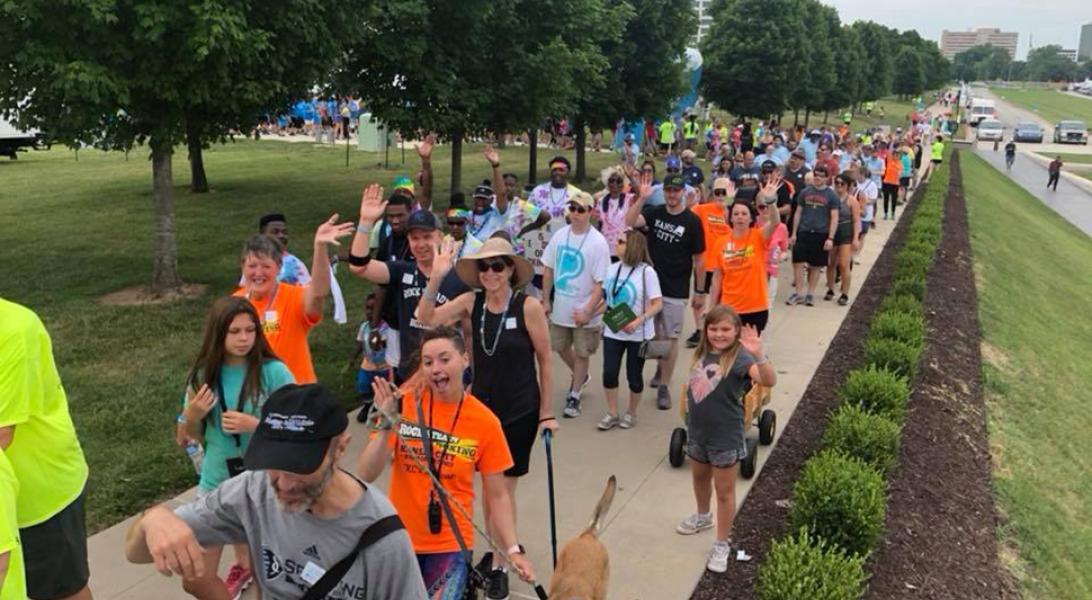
(1034, 278)
(896, 114)
(1052, 105)
(74, 231)
(1081, 159)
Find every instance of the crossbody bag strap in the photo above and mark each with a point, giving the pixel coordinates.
(375, 532)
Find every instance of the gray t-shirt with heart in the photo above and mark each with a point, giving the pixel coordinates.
(290, 551)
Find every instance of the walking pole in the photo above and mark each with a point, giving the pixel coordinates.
(547, 437)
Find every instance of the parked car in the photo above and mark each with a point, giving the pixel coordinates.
(1071, 132)
(990, 130)
(1027, 132)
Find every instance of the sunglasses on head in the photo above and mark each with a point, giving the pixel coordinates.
(497, 266)
(577, 208)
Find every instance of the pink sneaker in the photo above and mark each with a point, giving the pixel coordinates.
(238, 579)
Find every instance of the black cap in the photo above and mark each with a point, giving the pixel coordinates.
(769, 165)
(674, 181)
(422, 219)
(297, 424)
(483, 191)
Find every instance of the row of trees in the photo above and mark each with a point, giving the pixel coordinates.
(766, 57)
(988, 62)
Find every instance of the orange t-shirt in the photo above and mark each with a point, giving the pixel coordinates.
(715, 226)
(742, 265)
(892, 168)
(478, 444)
(285, 325)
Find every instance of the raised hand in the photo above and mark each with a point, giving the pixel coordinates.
(646, 186)
(750, 340)
(424, 149)
(330, 231)
(386, 396)
(372, 204)
(491, 155)
(731, 189)
(200, 403)
(445, 258)
(772, 185)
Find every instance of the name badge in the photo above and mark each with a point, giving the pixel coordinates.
(510, 323)
(270, 316)
(312, 573)
(407, 278)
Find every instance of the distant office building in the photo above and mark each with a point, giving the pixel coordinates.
(1071, 54)
(954, 42)
(705, 19)
(1084, 49)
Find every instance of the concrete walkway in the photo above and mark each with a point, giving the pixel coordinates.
(648, 559)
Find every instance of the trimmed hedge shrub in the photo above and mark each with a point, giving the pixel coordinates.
(902, 303)
(877, 391)
(873, 439)
(899, 326)
(913, 286)
(840, 499)
(805, 566)
(896, 356)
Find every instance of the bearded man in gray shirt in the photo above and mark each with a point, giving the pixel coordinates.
(300, 514)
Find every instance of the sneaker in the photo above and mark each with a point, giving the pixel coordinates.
(496, 585)
(692, 341)
(695, 523)
(238, 579)
(809, 301)
(829, 295)
(663, 398)
(572, 407)
(655, 378)
(628, 421)
(718, 557)
(843, 300)
(608, 422)
(794, 299)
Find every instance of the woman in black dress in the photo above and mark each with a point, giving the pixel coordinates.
(509, 336)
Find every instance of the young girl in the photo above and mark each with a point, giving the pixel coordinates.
(234, 373)
(729, 358)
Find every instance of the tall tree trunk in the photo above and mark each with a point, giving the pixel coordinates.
(807, 117)
(456, 162)
(164, 245)
(826, 117)
(199, 183)
(532, 160)
(581, 151)
(795, 118)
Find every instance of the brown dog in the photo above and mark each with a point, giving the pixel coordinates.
(583, 569)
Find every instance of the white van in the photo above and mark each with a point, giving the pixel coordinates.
(981, 109)
(12, 139)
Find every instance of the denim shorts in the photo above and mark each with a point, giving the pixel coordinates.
(718, 457)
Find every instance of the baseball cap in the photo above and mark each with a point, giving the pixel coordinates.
(422, 219)
(297, 424)
(483, 191)
(674, 181)
(403, 183)
(673, 162)
(798, 153)
(768, 165)
(721, 183)
(629, 137)
(814, 132)
(582, 198)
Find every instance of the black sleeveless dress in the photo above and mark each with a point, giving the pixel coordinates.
(507, 381)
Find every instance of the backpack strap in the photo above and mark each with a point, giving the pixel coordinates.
(375, 532)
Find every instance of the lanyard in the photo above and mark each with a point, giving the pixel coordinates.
(500, 325)
(569, 236)
(224, 406)
(437, 469)
(477, 229)
(618, 284)
(268, 304)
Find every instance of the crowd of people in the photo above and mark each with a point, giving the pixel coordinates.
(454, 365)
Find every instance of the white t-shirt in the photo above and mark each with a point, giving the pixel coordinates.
(871, 192)
(637, 287)
(580, 263)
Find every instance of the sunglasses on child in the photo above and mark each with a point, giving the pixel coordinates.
(577, 208)
(497, 266)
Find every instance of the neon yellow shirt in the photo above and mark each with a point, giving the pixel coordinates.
(45, 454)
(15, 585)
(938, 150)
(667, 132)
(690, 130)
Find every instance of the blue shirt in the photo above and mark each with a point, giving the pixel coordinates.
(875, 167)
(811, 150)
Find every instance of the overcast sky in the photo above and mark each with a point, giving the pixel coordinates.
(1048, 22)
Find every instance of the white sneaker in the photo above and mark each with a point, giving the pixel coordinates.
(695, 523)
(718, 557)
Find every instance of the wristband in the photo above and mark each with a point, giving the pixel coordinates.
(517, 549)
(181, 420)
(361, 228)
(359, 261)
(544, 419)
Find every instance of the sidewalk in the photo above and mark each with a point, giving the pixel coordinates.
(648, 559)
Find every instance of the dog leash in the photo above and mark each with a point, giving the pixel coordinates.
(393, 418)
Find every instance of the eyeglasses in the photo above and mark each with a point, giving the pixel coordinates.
(577, 208)
(497, 266)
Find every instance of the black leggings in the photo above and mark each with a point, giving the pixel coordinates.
(612, 364)
(890, 197)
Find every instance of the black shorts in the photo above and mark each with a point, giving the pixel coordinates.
(520, 435)
(664, 146)
(55, 553)
(865, 225)
(809, 249)
(904, 182)
(936, 161)
(758, 320)
(843, 235)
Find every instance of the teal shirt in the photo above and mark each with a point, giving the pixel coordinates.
(220, 446)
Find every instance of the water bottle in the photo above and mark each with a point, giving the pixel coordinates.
(196, 454)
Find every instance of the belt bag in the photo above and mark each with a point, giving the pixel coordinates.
(659, 346)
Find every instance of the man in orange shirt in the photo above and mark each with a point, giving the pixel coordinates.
(891, 173)
(715, 225)
(288, 312)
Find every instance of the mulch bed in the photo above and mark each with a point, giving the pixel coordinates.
(941, 520)
(760, 520)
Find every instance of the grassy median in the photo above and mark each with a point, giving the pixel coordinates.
(1051, 105)
(74, 231)
(1034, 278)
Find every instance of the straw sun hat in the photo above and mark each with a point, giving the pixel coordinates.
(467, 266)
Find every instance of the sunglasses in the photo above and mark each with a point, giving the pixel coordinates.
(720, 192)
(819, 173)
(839, 183)
(456, 223)
(577, 208)
(615, 180)
(497, 266)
